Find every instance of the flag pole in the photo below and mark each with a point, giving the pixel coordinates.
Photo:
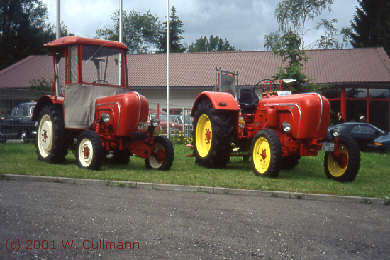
(168, 43)
(120, 39)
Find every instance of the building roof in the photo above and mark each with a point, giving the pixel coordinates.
(350, 67)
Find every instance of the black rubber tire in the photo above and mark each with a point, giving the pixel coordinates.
(275, 150)
(58, 150)
(153, 163)
(120, 157)
(353, 163)
(289, 162)
(222, 124)
(97, 150)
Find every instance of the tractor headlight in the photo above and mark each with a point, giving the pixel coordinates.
(143, 126)
(155, 123)
(335, 132)
(286, 127)
(105, 118)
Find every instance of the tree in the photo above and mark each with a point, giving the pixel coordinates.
(23, 30)
(287, 42)
(371, 25)
(140, 31)
(211, 45)
(175, 34)
(287, 46)
(329, 39)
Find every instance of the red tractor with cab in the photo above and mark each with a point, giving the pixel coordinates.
(92, 111)
(273, 127)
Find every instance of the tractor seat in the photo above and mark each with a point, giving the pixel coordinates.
(248, 100)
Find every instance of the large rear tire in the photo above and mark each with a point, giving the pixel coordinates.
(49, 140)
(162, 155)
(266, 153)
(345, 165)
(213, 133)
(89, 151)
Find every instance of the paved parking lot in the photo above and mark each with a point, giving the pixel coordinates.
(38, 220)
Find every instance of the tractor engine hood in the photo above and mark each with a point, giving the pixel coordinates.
(308, 114)
(126, 111)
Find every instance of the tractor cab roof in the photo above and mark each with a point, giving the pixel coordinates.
(76, 40)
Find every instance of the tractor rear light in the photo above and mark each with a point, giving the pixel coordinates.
(286, 127)
(143, 126)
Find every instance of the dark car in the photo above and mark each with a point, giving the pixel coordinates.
(382, 143)
(363, 133)
(18, 124)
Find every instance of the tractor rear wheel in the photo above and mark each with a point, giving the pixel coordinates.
(213, 133)
(89, 150)
(49, 140)
(266, 153)
(162, 155)
(343, 165)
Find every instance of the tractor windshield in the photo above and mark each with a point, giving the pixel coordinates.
(101, 65)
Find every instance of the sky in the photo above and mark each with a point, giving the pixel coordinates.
(243, 22)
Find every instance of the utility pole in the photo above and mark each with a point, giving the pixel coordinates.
(58, 32)
(58, 35)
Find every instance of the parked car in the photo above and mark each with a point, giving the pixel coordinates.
(176, 122)
(363, 133)
(18, 124)
(382, 143)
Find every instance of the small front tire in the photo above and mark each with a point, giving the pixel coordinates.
(89, 151)
(162, 155)
(345, 165)
(266, 153)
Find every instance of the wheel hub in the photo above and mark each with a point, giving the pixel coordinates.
(204, 135)
(86, 152)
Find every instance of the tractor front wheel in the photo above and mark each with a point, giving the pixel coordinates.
(213, 132)
(162, 155)
(89, 151)
(266, 153)
(343, 164)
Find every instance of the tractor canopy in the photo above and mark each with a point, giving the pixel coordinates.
(85, 70)
(88, 62)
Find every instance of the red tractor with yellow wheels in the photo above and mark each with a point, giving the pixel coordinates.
(92, 111)
(274, 128)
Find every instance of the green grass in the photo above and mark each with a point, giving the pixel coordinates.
(373, 180)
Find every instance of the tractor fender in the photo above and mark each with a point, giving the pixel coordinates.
(219, 100)
(46, 100)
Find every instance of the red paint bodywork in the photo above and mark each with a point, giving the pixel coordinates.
(220, 100)
(126, 111)
(308, 115)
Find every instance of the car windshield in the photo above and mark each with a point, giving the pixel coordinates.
(172, 118)
(23, 110)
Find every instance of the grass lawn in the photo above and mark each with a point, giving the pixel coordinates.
(373, 180)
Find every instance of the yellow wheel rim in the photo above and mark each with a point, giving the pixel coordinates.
(204, 135)
(338, 166)
(261, 155)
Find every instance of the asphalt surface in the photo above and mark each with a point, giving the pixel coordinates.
(182, 225)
